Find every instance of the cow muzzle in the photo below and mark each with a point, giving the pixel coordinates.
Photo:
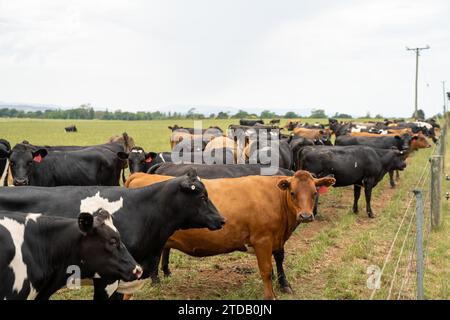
(305, 217)
(20, 182)
(137, 271)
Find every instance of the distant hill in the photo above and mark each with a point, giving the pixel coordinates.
(28, 106)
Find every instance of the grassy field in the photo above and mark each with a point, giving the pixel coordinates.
(326, 259)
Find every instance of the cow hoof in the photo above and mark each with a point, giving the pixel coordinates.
(155, 281)
(167, 273)
(355, 211)
(371, 215)
(287, 290)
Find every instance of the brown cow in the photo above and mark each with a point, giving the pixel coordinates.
(312, 133)
(261, 214)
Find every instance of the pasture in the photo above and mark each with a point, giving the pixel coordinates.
(326, 259)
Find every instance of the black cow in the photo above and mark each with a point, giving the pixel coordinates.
(352, 165)
(264, 154)
(215, 171)
(244, 122)
(141, 161)
(275, 121)
(5, 148)
(145, 217)
(213, 130)
(339, 129)
(37, 250)
(96, 165)
(401, 143)
(72, 128)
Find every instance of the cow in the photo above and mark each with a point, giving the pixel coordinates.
(211, 129)
(339, 129)
(261, 214)
(320, 134)
(145, 217)
(281, 153)
(352, 165)
(36, 252)
(71, 128)
(245, 122)
(5, 148)
(216, 171)
(220, 150)
(141, 161)
(84, 166)
(274, 121)
(405, 143)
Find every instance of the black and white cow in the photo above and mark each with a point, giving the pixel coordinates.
(145, 217)
(36, 252)
(5, 147)
(59, 166)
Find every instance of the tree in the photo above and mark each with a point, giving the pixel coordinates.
(420, 114)
(342, 116)
(379, 116)
(222, 115)
(318, 114)
(267, 114)
(240, 114)
(291, 114)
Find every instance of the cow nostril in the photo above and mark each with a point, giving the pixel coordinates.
(137, 271)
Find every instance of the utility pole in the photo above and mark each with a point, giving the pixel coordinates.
(417, 50)
(445, 98)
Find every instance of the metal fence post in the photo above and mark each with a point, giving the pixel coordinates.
(435, 190)
(419, 244)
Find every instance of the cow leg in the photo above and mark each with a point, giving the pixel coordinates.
(357, 194)
(368, 192)
(316, 204)
(284, 284)
(397, 172)
(264, 256)
(165, 259)
(391, 178)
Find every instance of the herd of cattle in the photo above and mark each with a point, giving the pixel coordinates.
(68, 208)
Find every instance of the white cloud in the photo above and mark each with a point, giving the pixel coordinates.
(348, 57)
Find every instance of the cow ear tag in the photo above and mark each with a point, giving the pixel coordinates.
(37, 158)
(323, 189)
(193, 187)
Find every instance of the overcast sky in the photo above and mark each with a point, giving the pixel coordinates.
(346, 56)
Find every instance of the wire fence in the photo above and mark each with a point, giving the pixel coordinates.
(399, 272)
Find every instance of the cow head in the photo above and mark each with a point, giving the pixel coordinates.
(102, 251)
(138, 159)
(419, 141)
(395, 160)
(403, 142)
(301, 191)
(191, 203)
(23, 159)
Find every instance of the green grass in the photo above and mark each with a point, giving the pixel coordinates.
(329, 263)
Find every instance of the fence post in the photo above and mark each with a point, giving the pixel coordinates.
(435, 190)
(419, 244)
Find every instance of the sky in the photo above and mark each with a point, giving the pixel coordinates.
(342, 56)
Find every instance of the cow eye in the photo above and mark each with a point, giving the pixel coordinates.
(113, 241)
(292, 193)
(13, 164)
(203, 197)
(29, 163)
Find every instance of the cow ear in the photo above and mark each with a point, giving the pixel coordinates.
(325, 181)
(284, 184)
(150, 156)
(415, 137)
(85, 222)
(170, 127)
(39, 154)
(122, 155)
(4, 154)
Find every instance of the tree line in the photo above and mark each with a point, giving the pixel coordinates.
(87, 112)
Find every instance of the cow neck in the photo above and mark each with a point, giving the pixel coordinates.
(60, 249)
(288, 214)
(149, 232)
